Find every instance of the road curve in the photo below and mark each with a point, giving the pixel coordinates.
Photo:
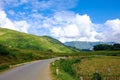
(38, 70)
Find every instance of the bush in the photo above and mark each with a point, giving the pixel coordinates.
(3, 67)
(4, 50)
(97, 76)
(67, 66)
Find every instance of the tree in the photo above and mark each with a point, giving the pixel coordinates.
(116, 46)
(103, 47)
(106, 47)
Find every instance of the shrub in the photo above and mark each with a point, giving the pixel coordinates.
(97, 76)
(4, 50)
(3, 67)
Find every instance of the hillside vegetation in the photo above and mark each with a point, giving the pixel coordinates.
(14, 39)
(12, 56)
(17, 47)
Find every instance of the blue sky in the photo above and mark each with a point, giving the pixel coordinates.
(99, 10)
(65, 20)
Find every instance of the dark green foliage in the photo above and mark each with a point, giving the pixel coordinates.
(4, 67)
(67, 66)
(4, 50)
(116, 46)
(97, 76)
(103, 47)
(106, 47)
(50, 50)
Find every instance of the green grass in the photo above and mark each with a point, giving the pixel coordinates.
(12, 56)
(63, 69)
(104, 53)
(100, 64)
(18, 56)
(88, 67)
(14, 39)
(107, 66)
(17, 47)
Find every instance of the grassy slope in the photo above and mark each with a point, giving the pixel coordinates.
(17, 47)
(14, 39)
(11, 56)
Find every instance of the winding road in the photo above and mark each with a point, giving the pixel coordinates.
(37, 70)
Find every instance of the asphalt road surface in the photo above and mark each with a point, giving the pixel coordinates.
(38, 70)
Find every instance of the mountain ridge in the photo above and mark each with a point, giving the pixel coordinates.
(84, 45)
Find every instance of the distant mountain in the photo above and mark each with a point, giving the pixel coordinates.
(15, 39)
(83, 45)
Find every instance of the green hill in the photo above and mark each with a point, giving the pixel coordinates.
(14, 39)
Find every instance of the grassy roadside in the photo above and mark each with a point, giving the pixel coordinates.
(63, 69)
(15, 56)
(18, 56)
(73, 68)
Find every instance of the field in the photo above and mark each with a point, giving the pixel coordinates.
(92, 67)
(107, 66)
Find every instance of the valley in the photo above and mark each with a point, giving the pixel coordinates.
(17, 47)
(59, 39)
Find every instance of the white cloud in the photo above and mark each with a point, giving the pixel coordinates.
(65, 26)
(69, 31)
(5, 22)
(64, 17)
(54, 5)
(35, 5)
(114, 25)
(74, 27)
(22, 26)
(112, 32)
